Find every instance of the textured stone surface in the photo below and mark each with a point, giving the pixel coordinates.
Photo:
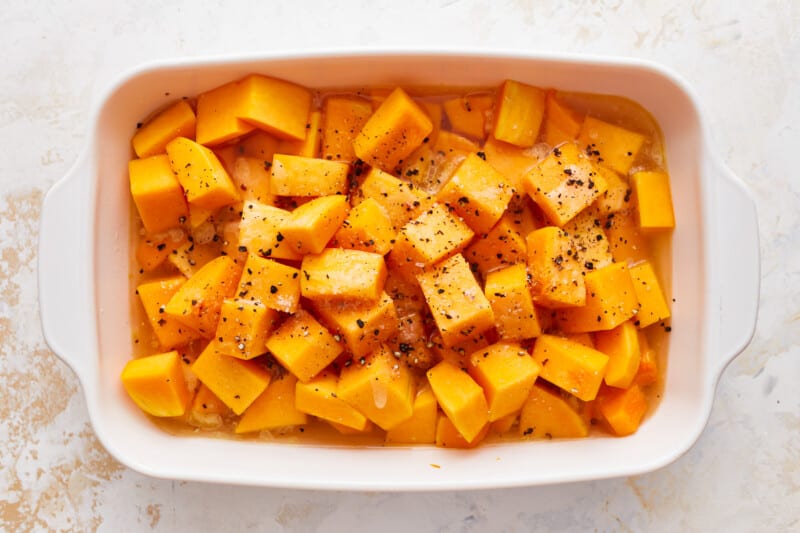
(742, 59)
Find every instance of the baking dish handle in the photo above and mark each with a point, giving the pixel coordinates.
(737, 254)
(64, 238)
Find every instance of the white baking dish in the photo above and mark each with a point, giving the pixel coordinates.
(85, 301)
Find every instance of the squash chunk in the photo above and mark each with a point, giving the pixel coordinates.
(393, 132)
(430, 237)
(461, 398)
(627, 241)
(621, 345)
(309, 228)
(420, 428)
(509, 295)
(653, 305)
(274, 409)
(294, 175)
(561, 124)
(308, 147)
(477, 193)
(501, 247)
(653, 200)
(648, 365)
(610, 145)
(343, 274)
(178, 120)
(570, 366)
(258, 145)
(618, 194)
(156, 384)
(155, 295)
(252, 179)
(511, 161)
(459, 307)
(506, 372)
(235, 381)
(260, 231)
(467, 114)
(198, 302)
(272, 284)
(367, 228)
(547, 415)
(243, 328)
(152, 252)
(610, 301)
(344, 118)
(303, 346)
(448, 436)
(207, 409)
(202, 176)
(364, 325)
(401, 200)
(190, 257)
(564, 183)
(218, 112)
(382, 388)
(589, 242)
(157, 193)
(518, 113)
(276, 106)
(319, 397)
(556, 275)
(623, 409)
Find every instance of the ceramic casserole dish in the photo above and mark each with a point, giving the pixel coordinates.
(85, 298)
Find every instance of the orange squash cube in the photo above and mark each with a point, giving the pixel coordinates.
(382, 388)
(252, 179)
(571, 366)
(468, 114)
(367, 228)
(276, 106)
(343, 274)
(621, 345)
(461, 398)
(610, 145)
(556, 275)
(648, 365)
(511, 161)
(448, 436)
(308, 147)
(610, 301)
(618, 195)
(157, 193)
(364, 325)
(564, 183)
(154, 296)
(319, 397)
(260, 231)
(243, 328)
(477, 193)
(303, 346)
(218, 112)
(420, 428)
(307, 176)
(274, 409)
(272, 284)
(501, 247)
(344, 116)
(506, 372)
(203, 178)
(432, 236)
(623, 409)
(207, 409)
(235, 381)
(518, 114)
(590, 247)
(309, 228)
(547, 415)
(197, 302)
(561, 124)
(653, 306)
(397, 128)
(627, 241)
(509, 295)
(152, 252)
(401, 200)
(178, 120)
(156, 384)
(258, 145)
(190, 257)
(459, 307)
(653, 200)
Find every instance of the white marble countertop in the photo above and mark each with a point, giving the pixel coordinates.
(742, 57)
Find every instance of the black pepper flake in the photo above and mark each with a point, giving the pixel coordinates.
(589, 265)
(360, 323)
(243, 249)
(273, 289)
(482, 155)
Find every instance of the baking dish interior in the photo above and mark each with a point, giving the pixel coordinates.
(668, 431)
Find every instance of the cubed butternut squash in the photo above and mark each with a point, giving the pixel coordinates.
(244, 327)
(252, 180)
(151, 252)
(500, 247)
(590, 247)
(235, 381)
(627, 241)
(276, 106)
(303, 346)
(218, 112)
(571, 366)
(157, 193)
(618, 195)
(400, 199)
(511, 161)
(272, 284)
(459, 307)
(653, 306)
(258, 145)
(197, 302)
(653, 200)
(477, 193)
(260, 231)
(545, 414)
(420, 428)
(319, 397)
(294, 175)
(189, 257)
(561, 124)
(207, 409)
(154, 296)
(367, 228)
(623, 409)
(432, 236)
(648, 365)
(509, 294)
(448, 435)
(621, 345)
(363, 324)
(518, 113)
(461, 398)
(309, 228)
(156, 384)
(610, 145)
(382, 388)
(339, 273)
(343, 119)
(178, 120)
(506, 372)
(274, 408)
(205, 181)
(555, 274)
(393, 132)
(308, 147)
(468, 114)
